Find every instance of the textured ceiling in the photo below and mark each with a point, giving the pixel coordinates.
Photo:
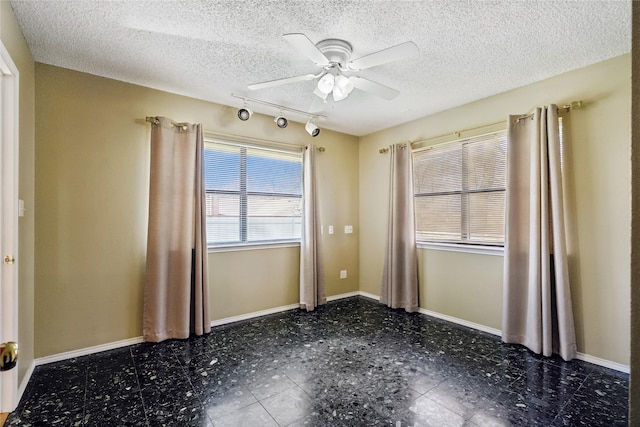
(211, 49)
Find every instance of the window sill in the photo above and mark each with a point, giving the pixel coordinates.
(253, 247)
(472, 249)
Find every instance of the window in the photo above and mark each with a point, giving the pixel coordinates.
(459, 191)
(253, 194)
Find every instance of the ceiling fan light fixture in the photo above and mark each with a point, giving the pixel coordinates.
(312, 129)
(320, 94)
(326, 83)
(338, 95)
(334, 57)
(343, 87)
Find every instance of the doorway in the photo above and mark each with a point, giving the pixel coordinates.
(9, 85)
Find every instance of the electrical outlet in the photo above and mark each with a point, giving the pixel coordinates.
(331, 229)
(343, 274)
(348, 229)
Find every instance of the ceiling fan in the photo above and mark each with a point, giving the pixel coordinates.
(334, 56)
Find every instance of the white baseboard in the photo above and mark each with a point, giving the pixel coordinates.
(25, 380)
(117, 344)
(248, 316)
(462, 322)
(437, 315)
(580, 356)
(368, 295)
(280, 309)
(603, 362)
(341, 296)
(110, 346)
(86, 351)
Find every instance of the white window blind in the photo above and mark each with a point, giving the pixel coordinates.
(459, 190)
(253, 194)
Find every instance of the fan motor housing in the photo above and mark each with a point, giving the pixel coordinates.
(336, 50)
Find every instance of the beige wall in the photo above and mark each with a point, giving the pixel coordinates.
(273, 272)
(92, 168)
(468, 286)
(15, 44)
(449, 285)
(92, 198)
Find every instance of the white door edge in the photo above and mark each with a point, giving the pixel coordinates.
(9, 87)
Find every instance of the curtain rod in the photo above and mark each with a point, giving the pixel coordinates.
(574, 105)
(264, 142)
(154, 120)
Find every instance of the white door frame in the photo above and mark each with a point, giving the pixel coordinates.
(9, 85)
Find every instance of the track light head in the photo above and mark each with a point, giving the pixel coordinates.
(281, 121)
(245, 113)
(312, 129)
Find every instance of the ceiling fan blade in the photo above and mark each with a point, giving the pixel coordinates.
(278, 82)
(375, 88)
(307, 48)
(394, 53)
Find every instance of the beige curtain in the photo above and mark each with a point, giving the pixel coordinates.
(537, 299)
(400, 276)
(176, 298)
(312, 292)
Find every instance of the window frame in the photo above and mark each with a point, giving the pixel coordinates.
(486, 248)
(243, 194)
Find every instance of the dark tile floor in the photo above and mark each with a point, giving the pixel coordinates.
(352, 362)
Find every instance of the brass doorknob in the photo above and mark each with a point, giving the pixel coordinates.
(8, 355)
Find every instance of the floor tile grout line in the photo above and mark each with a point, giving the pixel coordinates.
(84, 403)
(135, 369)
(570, 398)
(273, 418)
(186, 375)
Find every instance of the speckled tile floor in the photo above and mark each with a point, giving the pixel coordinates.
(352, 362)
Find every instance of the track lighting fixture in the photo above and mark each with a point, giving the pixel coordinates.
(281, 121)
(312, 129)
(245, 113)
